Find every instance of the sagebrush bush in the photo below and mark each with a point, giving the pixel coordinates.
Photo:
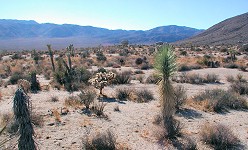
(102, 141)
(87, 97)
(180, 96)
(123, 94)
(73, 101)
(144, 96)
(219, 136)
(123, 77)
(54, 99)
(240, 87)
(220, 100)
(16, 76)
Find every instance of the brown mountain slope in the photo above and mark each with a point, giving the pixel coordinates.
(230, 31)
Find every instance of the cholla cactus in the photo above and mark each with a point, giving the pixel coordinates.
(24, 84)
(102, 79)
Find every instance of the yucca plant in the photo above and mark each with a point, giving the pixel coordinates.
(51, 56)
(23, 118)
(165, 64)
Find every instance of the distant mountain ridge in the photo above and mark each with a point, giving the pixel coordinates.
(28, 34)
(230, 31)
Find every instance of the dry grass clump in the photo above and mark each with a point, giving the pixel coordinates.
(123, 77)
(123, 94)
(54, 99)
(196, 78)
(144, 96)
(98, 108)
(73, 101)
(219, 137)
(240, 87)
(37, 120)
(102, 141)
(87, 97)
(219, 100)
(180, 96)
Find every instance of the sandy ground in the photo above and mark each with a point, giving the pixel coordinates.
(133, 125)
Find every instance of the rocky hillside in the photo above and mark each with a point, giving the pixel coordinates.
(230, 31)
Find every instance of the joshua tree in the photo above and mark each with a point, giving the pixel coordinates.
(51, 55)
(22, 116)
(165, 64)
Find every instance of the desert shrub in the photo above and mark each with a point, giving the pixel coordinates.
(138, 72)
(219, 137)
(100, 56)
(98, 108)
(54, 99)
(184, 53)
(87, 97)
(153, 79)
(123, 94)
(211, 78)
(220, 100)
(103, 141)
(16, 76)
(180, 96)
(189, 144)
(37, 120)
(139, 61)
(145, 66)
(195, 66)
(194, 79)
(172, 130)
(230, 78)
(72, 101)
(123, 77)
(231, 66)
(144, 96)
(102, 70)
(240, 87)
(184, 67)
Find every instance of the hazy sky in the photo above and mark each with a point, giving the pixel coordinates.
(124, 14)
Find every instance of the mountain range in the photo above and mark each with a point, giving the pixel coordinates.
(28, 34)
(230, 31)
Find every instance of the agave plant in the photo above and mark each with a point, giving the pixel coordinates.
(165, 64)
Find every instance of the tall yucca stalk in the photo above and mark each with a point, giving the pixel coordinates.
(165, 64)
(51, 56)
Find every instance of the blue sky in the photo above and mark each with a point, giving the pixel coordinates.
(124, 14)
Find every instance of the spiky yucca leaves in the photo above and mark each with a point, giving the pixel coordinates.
(22, 116)
(165, 64)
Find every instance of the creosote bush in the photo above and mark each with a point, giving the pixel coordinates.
(123, 94)
(219, 137)
(180, 96)
(102, 141)
(87, 97)
(144, 96)
(219, 100)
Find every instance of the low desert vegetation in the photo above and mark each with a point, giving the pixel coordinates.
(220, 100)
(219, 137)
